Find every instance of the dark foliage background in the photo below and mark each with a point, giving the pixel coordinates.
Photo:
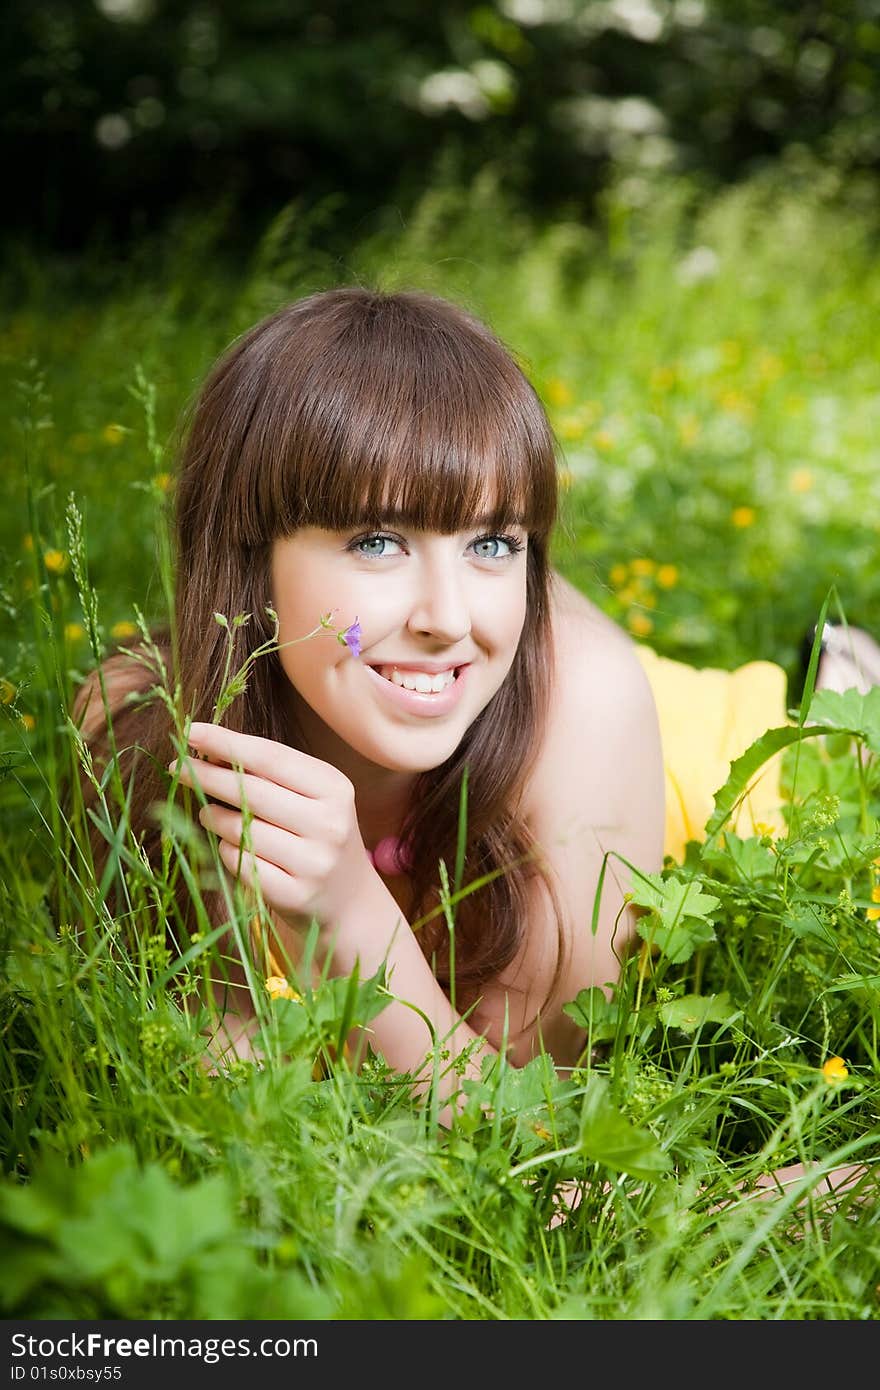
(121, 114)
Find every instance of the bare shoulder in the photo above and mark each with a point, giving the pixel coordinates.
(602, 713)
(577, 621)
(594, 805)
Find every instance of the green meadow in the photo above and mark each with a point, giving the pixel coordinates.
(709, 366)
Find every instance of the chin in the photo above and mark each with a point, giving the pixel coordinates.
(414, 766)
(394, 762)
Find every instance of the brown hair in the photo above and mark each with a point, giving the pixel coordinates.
(322, 414)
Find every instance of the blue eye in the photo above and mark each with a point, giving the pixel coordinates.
(373, 547)
(378, 545)
(497, 547)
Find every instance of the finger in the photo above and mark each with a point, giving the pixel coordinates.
(280, 891)
(289, 852)
(267, 800)
(265, 757)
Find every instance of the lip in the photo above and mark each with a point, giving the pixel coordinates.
(414, 701)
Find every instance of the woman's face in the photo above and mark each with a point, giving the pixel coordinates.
(440, 619)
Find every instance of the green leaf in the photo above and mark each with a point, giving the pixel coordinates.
(805, 919)
(813, 663)
(323, 1017)
(849, 711)
(529, 1087)
(750, 860)
(608, 1137)
(743, 769)
(144, 1223)
(677, 921)
(855, 984)
(672, 898)
(537, 1099)
(678, 942)
(594, 1013)
(346, 998)
(692, 1011)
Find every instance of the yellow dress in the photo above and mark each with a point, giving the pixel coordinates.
(707, 718)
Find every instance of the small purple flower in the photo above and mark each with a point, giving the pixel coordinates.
(351, 638)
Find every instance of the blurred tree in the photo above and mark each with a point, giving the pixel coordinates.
(119, 112)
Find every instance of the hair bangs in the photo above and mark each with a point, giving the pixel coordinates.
(398, 418)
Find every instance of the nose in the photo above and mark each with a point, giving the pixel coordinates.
(439, 605)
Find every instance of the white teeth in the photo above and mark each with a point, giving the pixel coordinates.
(418, 680)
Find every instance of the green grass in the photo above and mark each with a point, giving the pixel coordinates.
(138, 1184)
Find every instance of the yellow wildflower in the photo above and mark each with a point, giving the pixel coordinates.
(572, 427)
(663, 378)
(639, 624)
(279, 987)
(113, 434)
(7, 691)
(873, 913)
(667, 576)
(731, 352)
(618, 575)
(162, 481)
(741, 517)
(73, 631)
(736, 403)
(123, 629)
(689, 429)
(770, 367)
(29, 722)
(559, 392)
(834, 1070)
(800, 480)
(643, 566)
(56, 561)
(603, 439)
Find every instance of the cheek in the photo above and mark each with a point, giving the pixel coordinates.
(297, 602)
(303, 594)
(508, 616)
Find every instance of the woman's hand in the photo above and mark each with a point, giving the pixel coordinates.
(303, 844)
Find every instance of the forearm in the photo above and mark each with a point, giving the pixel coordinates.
(837, 1180)
(419, 1024)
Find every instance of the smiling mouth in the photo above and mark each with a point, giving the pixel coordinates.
(419, 681)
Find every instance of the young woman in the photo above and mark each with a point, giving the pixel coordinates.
(382, 459)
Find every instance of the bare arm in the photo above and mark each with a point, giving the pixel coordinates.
(303, 850)
(596, 796)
